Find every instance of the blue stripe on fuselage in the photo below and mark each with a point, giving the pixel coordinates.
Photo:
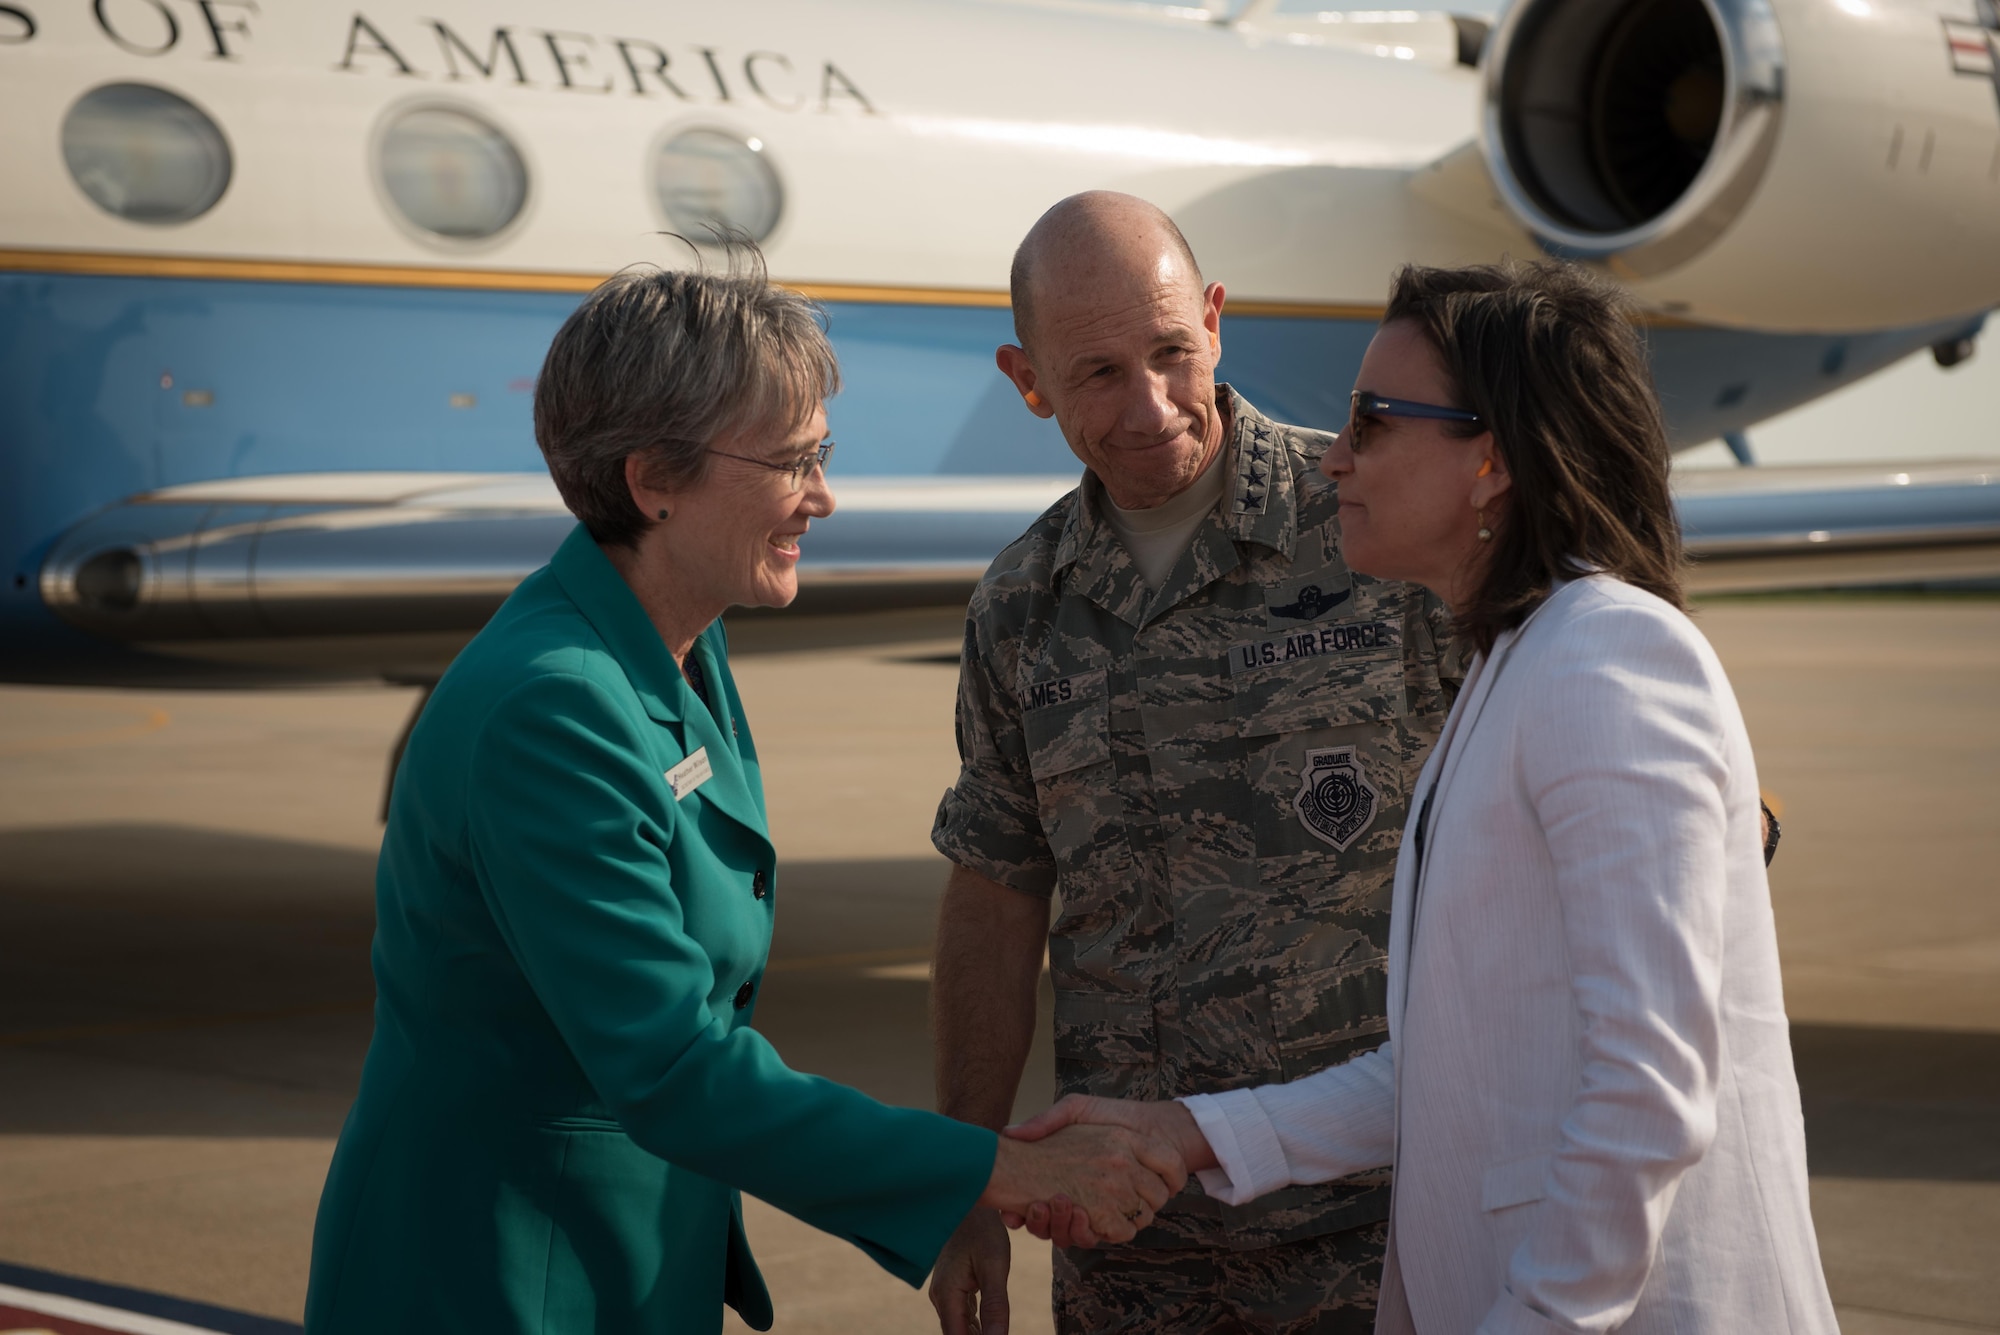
(114, 385)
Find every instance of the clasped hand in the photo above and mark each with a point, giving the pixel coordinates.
(1115, 1163)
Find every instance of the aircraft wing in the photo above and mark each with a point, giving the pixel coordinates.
(388, 574)
(1840, 526)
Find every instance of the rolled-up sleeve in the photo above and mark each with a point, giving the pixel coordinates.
(1327, 1125)
(988, 821)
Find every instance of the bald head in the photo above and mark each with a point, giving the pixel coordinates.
(1092, 245)
(1119, 343)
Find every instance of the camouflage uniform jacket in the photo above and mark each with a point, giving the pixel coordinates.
(1214, 777)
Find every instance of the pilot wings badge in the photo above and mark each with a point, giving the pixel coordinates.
(1335, 802)
(1310, 604)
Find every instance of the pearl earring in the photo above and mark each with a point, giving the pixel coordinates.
(1485, 533)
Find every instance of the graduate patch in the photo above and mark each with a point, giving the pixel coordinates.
(1336, 802)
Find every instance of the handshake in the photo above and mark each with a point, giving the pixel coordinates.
(1091, 1170)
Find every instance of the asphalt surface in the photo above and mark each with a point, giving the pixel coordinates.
(185, 914)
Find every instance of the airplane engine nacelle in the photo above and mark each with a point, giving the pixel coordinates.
(1802, 164)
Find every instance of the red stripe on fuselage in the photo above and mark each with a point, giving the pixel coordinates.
(20, 1319)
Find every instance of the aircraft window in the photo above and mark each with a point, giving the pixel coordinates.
(711, 179)
(451, 173)
(145, 154)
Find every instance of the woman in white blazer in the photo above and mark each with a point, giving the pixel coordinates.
(1587, 1091)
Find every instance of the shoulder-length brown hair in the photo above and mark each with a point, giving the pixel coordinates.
(1548, 357)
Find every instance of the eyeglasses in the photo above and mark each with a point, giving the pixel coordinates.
(1363, 404)
(796, 471)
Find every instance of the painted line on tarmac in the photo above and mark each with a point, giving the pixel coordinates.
(154, 720)
(67, 1305)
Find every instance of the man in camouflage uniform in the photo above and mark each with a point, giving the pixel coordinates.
(1211, 775)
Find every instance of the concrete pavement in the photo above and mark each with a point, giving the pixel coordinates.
(185, 912)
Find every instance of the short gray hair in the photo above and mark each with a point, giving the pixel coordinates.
(665, 363)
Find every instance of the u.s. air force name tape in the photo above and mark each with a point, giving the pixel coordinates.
(1339, 638)
(1342, 637)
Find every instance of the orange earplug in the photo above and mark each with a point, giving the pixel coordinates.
(1034, 399)
(1485, 468)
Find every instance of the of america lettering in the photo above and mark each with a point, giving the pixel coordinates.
(1346, 637)
(577, 62)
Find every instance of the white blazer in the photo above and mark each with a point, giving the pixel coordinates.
(1587, 1090)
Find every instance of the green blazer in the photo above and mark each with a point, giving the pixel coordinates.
(563, 1095)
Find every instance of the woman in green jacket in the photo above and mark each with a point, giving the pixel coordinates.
(563, 1096)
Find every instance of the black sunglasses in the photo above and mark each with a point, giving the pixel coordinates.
(1363, 404)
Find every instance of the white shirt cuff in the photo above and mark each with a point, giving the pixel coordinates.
(1251, 1161)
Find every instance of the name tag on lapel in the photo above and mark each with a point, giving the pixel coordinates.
(690, 774)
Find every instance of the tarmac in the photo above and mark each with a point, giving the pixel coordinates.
(185, 911)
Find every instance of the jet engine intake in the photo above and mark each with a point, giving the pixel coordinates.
(1824, 165)
(1633, 131)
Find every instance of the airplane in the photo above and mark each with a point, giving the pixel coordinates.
(276, 279)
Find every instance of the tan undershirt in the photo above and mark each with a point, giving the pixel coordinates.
(1157, 537)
